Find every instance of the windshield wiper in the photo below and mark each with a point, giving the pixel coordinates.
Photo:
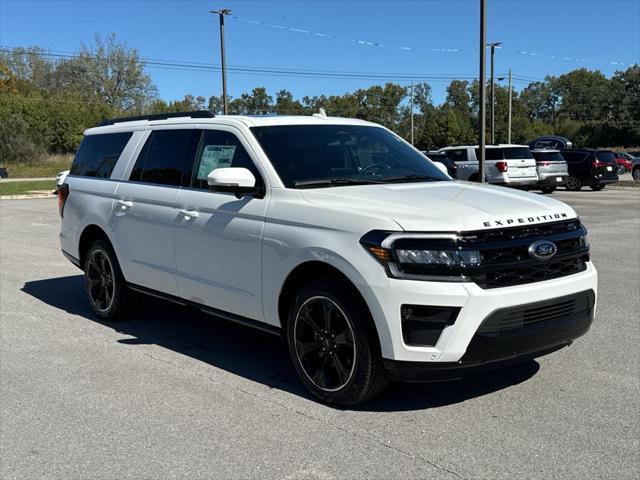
(335, 181)
(410, 177)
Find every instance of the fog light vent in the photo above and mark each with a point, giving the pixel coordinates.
(422, 324)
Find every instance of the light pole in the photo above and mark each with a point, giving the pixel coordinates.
(411, 102)
(221, 14)
(482, 87)
(493, 46)
(509, 124)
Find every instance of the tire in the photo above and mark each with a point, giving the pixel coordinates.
(621, 169)
(104, 283)
(573, 184)
(636, 174)
(474, 178)
(548, 189)
(597, 187)
(342, 364)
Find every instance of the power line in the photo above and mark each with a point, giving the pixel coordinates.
(370, 43)
(277, 71)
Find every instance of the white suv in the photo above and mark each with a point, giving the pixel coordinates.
(373, 263)
(511, 165)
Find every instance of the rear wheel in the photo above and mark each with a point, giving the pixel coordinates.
(573, 183)
(597, 187)
(548, 189)
(104, 282)
(333, 343)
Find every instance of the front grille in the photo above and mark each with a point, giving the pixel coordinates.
(506, 261)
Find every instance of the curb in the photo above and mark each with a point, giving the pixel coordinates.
(27, 196)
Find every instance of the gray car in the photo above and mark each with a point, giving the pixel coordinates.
(552, 169)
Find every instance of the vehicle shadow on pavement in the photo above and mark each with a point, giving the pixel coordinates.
(250, 353)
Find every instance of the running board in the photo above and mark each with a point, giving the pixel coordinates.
(231, 317)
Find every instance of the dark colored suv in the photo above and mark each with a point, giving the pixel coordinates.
(592, 167)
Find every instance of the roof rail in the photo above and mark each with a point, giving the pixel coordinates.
(158, 116)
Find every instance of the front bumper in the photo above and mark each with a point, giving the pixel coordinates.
(476, 305)
(508, 336)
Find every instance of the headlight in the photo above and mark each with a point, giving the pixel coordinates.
(442, 256)
(451, 258)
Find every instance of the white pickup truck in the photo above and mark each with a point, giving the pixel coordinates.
(336, 233)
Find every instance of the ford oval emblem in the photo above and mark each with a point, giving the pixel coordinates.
(543, 250)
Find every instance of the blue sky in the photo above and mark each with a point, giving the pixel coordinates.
(562, 35)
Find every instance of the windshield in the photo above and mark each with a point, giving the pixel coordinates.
(548, 157)
(307, 156)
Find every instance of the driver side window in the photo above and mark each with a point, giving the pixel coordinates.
(220, 149)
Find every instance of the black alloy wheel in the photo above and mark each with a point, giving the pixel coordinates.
(104, 282)
(573, 184)
(334, 343)
(324, 343)
(100, 281)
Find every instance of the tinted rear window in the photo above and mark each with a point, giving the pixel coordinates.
(548, 156)
(607, 157)
(509, 153)
(167, 157)
(98, 154)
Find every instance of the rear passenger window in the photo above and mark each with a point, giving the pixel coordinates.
(220, 149)
(98, 154)
(167, 157)
(491, 154)
(457, 155)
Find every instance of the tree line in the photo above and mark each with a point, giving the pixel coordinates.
(46, 102)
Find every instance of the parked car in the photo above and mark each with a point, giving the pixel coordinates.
(4, 173)
(635, 169)
(623, 160)
(452, 168)
(635, 153)
(509, 165)
(552, 170)
(592, 167)
(335, 233)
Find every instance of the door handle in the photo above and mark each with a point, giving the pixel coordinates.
(124, 204)
(188, 213)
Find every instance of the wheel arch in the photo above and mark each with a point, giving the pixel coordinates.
(89, 235)
(310, 269)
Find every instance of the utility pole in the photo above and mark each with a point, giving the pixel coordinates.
(411, 103)
(221, 14)
(493, 46)
(509, 124)
(481, 85)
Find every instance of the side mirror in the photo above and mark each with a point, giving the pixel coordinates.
(239, 181)
(442, 167)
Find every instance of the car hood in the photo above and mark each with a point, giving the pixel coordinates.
(443, 206)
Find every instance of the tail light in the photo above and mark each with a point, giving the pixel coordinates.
(63, 194)
(502, 166)
(596, 163)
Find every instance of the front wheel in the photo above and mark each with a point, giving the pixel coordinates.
(333, 343)
(573, 184)
(104, 282)
(636, 174)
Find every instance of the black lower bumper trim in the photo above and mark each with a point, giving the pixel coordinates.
(72, 259)
(509, 336)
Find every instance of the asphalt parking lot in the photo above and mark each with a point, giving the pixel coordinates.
(173, 394)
